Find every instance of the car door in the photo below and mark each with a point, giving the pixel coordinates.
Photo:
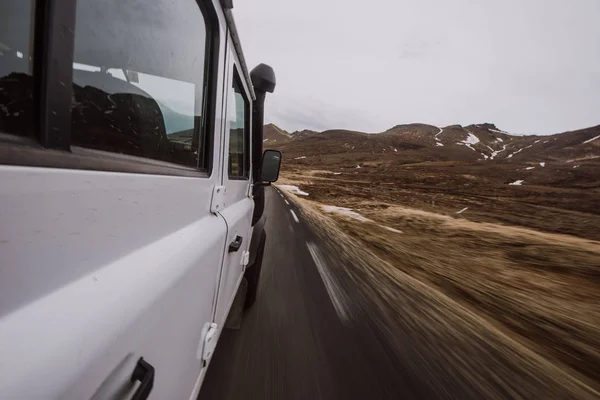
(236, 181)
(111, 251)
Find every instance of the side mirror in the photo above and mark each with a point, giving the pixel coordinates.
(271, 162)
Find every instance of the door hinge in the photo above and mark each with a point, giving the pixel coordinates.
(210, 342)
(217, 203)
(245, 259)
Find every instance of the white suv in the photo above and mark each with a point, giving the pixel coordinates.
(131, 194)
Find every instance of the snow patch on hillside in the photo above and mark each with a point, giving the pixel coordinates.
(591, 140)
(471, 139)
(391, 229)
(517, 183)
(496, 152)
(346, 212)
(518, 151)
(293, 189)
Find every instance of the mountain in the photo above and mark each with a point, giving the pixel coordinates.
(413, 143)
(273, 134)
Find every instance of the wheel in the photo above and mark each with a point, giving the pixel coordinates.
(252, 274)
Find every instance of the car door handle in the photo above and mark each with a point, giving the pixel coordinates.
(143, 372)
(236, 244)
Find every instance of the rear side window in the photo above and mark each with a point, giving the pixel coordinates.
(138, 78)
(239, 134)
(16, 58)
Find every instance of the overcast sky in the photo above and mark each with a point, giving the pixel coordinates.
(529, 66)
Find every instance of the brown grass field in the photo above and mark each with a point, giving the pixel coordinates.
(522, 261)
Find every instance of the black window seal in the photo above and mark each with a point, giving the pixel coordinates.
(211, 74)
(23, 153)
(54, 45)
(238, 80)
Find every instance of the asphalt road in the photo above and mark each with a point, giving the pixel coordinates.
(296, 342)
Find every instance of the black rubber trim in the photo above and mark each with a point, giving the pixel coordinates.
(211, 71)
(259, 227)
(247, 116)
(33, 155)
(252, 274)
(54, 41)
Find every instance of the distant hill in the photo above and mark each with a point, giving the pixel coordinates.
(421, 142)
(274, 134)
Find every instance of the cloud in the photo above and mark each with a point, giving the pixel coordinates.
(531, 67)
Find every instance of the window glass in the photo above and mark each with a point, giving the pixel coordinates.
(138, 78)
(16, 81)
(239, 142)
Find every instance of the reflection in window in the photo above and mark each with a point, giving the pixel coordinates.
(238, 133)
(138, 80)
(16, 81)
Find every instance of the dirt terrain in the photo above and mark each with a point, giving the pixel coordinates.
(525, 258)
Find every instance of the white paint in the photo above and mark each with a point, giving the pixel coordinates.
(295, 216)
(592, 139)
(542, 164)
(462, 211)
(293, 189)
(338, 297)
(517, 183)
(346, 212)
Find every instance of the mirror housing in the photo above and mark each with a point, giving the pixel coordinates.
(263, 78)
(271, 163)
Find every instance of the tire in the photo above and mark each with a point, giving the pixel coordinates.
(252, 274)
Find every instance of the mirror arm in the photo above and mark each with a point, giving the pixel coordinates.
(259, 184)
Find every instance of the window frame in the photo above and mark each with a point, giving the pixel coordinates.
(50, 144)
(236, 78)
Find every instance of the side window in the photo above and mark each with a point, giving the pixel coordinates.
(138, 78)
(16, 58)
(239, 133)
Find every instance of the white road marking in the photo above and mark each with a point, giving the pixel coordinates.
(337, 296)
(295, 216)
(286, 202)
